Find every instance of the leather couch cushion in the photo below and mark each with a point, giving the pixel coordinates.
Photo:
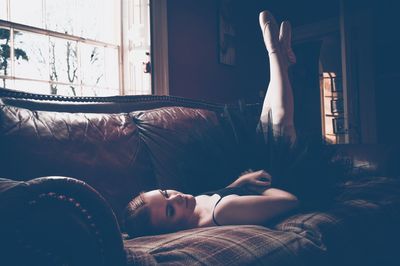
(192, 150)
(188, 149)
(101, 149)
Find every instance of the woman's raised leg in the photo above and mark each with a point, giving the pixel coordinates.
(278, 103)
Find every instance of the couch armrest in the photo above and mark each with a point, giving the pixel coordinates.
(57, 221)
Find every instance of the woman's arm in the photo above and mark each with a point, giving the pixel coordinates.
(255, 209)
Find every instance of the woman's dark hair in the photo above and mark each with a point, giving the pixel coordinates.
(137, 220)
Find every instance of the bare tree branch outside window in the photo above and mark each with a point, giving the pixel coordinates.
(5, 52)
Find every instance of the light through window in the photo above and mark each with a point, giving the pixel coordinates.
(66, 47)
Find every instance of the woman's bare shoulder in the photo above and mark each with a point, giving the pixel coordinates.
(235, 209)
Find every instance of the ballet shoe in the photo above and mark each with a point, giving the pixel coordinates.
(269, 29)
(285, 39)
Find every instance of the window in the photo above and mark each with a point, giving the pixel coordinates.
(333, 112)
(66, 47)
(136, 43)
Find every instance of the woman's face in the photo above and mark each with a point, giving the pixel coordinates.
(170, 209)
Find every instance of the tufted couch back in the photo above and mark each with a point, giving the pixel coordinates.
(124, 145)
(127, 144)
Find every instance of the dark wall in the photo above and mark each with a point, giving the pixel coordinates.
(193, 53)
(195, 71)
(387, 70)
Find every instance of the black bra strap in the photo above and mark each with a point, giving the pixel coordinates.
(213, 214)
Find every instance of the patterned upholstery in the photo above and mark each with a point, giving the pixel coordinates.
(327, 237)
(225, 245)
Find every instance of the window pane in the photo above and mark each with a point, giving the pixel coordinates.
(111, 68)
(5, 63)
(140, 82)
(56, 65)
(7, 83)
(63, 60)
(90, 91)
(36, 47)
(31, 86)
(66, 90)
(61, 16)
(3, 9)
(111, 31)
(92, 61)
(100, 20)
(27, 12)
(89, 12)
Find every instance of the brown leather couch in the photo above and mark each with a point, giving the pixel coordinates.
(69, 165)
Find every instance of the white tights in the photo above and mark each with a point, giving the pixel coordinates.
(278, 102)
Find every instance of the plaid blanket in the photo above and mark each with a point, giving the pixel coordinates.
(225, 245)
(360, 228)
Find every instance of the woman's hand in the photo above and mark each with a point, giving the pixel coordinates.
(258, 181)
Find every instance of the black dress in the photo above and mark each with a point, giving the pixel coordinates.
(303, 168)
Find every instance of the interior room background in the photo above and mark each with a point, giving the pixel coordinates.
(174, 47)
